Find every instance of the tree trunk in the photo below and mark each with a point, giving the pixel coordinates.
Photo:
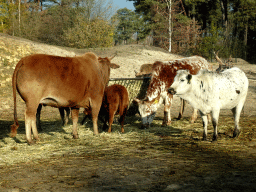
(169, 4)
(245, 38)
(19, 17)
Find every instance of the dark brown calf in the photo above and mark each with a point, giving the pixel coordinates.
(115, 102)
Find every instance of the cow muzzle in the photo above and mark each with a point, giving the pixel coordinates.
(145, 126)
(172, 91)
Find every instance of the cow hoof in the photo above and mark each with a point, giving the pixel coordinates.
(146, 126)
(75, 137)
(214, 138)
(166, 124)
(31, 142)
(236, 133)
(204, 138)
(37, 138)
(12, 135)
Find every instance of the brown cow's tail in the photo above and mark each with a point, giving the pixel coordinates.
(15, 126)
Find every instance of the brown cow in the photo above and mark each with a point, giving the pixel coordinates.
(65, 115)
(162, 78)
(115, 102)
(145, 70)
(59, 82)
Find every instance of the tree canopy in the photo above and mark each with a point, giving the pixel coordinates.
(225, 25)
(75, 23)
(188, 26)
(128, 26)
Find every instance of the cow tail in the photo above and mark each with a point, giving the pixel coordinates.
(123, 107)
(15, 126)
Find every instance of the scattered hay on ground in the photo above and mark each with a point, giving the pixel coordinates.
(58, 141)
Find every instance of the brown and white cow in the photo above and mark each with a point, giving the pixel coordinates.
(59, 82)
(146, 71)
(162, 78)
(115, 102)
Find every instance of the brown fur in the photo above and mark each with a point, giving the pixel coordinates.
(59, 82)
(115, 102)
(145, 70)
(163, 74)
(105, 72)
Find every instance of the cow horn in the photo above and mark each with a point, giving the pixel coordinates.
(113, 56)
(217, 58)
(136, 100)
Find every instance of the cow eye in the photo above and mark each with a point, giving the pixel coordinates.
(182, 80)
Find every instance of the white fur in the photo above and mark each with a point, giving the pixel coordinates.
(212, 91)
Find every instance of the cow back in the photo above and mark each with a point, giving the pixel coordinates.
(164, 72)
(116, 95)
(59, 78)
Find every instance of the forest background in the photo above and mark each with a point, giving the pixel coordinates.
(185, 27)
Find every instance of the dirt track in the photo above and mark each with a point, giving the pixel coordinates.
(158, 159)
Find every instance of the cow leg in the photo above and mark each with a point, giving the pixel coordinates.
(194, 116)
(110, 122)
(112, 109)
(209, 117)
(30, 123)
(67, 109)
(105, 120)
(64, 117)
(167, 110)
(205, 122)
(182, 107)
(75, 114)
(38, 114)
(237, 112)
(215, 118)
(95, 113)
(121, 120)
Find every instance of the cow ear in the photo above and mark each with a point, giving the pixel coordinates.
(189, 77)
(114, 66)
(100, 59)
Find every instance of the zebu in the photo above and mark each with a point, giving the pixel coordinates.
(59, 82)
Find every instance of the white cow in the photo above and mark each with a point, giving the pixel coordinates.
(211, 91)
